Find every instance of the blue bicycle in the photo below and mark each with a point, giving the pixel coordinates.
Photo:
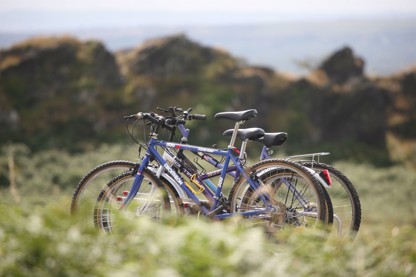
(338, 187)
(288, 195)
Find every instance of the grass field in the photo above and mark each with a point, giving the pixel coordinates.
(38, 237)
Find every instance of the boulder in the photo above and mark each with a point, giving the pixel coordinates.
(168, 56)
(342, 66)
(408, 83)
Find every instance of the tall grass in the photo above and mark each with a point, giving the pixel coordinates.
(45, 241)
(38, 237)
(387, 194)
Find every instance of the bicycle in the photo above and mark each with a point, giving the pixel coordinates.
(311, 207)
(85, 194)
(345, 200)
(344, 197)
(347, 214)
(93, 182)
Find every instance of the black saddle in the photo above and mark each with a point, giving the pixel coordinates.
(273, 139)
(237, 116)
(249, 133)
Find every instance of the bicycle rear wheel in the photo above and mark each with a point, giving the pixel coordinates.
(345, 200)
(298, 198)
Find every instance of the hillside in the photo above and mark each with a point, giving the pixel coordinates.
(62, 92)
(56, 90)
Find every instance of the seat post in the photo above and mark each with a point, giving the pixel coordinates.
(243, 149)
(234, 136)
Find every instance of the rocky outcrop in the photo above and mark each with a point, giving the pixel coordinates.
(52, 67)
(59, 90)
(408, 83)
(164, 57)
(342, 66)
(56, 88)
(186, 71)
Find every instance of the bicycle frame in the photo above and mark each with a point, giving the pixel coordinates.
(152, 153)
(265, 154)
(234, 170)
(230, 170)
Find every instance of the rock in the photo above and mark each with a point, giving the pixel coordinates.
(343, 66)
(408, 84)
(174, 55)
(56, 87)
(67, 90)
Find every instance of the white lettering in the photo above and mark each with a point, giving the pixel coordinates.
(173, 173)
(220, 181)
(206, 150)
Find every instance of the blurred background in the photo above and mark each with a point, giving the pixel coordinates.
(334, 75)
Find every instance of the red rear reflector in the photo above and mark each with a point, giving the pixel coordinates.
(126, 192)
(327, 178)
(119, 198)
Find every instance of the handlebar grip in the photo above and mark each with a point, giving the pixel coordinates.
(199, 117)
(155, 119)
(159, 120)
(149, 116)
(138, 115)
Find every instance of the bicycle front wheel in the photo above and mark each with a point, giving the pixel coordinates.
(154, 200)
(89, 187)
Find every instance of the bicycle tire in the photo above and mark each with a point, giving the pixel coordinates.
(342, 192)
(241, 195)
(164, 203)
(94, 181)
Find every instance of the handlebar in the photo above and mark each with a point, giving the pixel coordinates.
(171, 121)
(184, 114)
(197, 117)
(153, 118)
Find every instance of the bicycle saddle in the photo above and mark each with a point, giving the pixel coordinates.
(273, 139)
(237, 116)
(249, 133)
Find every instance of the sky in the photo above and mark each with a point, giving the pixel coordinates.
(30, 15)
(292, 6)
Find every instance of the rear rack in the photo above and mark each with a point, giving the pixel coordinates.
(311, 155)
